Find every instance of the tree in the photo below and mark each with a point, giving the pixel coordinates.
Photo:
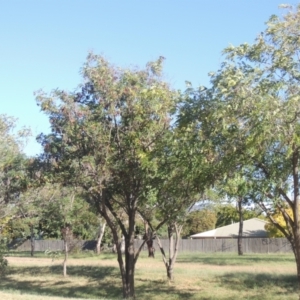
(12, 163)
(272, 230)
(65, 215)
(236, 188)
(169, 196)
(12, 174)
(100, 235)
(253, 113)
(199, 221)
(102, 138)
(228, 214)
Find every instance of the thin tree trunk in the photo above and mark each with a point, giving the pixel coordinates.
(296, 227)
(295, 242)
(117, 243)
(100, 236)
(240, 234)
(32, 240)
(66, 233)
(173, 249)
(66, 258)
(149, 240)
(151, 249)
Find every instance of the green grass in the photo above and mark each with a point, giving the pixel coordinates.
(232, 259)
(41, 254)
(197, 276)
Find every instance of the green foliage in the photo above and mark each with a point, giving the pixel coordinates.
(272, 230)
(63, 207)
(17, 228)
(199, 221)
(103, 139)
(228, 214)
(3, 260)
(250, 118)
(53, 254)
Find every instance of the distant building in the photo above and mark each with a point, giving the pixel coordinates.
(252, 228)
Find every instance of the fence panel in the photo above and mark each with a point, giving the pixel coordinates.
(250, 245)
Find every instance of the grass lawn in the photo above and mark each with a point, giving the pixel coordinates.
(197, 276)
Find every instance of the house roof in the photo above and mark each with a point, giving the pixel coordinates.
(251, 228)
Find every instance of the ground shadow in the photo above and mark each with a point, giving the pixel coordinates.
(92, 272)
(149, 289)
(235, 259)
(246, 280)
(105, 282)
(99, 290)
(111, 291)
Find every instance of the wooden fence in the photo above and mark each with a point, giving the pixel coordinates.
(250, 245)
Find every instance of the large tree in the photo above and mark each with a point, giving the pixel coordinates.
(101, 139)
(253, 118)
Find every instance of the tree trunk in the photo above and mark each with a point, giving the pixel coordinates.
(130, 258)
(66, 234)
(66, 257)
(173, 249)
(149, 240)
(115, 224)
(117, 244)
(151, 249)
(170, 273)
(296, 249)
(32, 240)
(240, 235)
(126, 269)
(296, 207)
(99, 238)
(296, 244)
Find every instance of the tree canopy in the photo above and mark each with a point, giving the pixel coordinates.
(102, 139)
(250, 115)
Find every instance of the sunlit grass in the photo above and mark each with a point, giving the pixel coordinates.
(197, 276)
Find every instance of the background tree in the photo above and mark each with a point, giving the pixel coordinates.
(12, 163)
(228, 214)
(12, 174)
(199, 221)
(66, 215)
(100, 234)
(273, 230)
(236, 189)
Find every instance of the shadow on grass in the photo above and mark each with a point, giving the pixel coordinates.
(234, 259)
(64, 286)
(111, 291)
(104, 282)
(160, 289)
(82, 271)
(242, 281)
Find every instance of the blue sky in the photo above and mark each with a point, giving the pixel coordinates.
(43, 44)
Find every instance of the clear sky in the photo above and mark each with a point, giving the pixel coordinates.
(43, 43)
